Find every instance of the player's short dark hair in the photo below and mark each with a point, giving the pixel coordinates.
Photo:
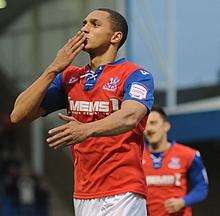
(161, 111)
(119, 23)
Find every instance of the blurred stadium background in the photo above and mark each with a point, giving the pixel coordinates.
(178, 41)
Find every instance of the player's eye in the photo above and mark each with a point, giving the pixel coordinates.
(96, 24)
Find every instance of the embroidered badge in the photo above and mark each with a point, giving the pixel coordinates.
(174, 163)
(73, 79)
(112, 84)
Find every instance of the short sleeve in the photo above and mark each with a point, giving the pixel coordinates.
(139, 87)
(54, 98)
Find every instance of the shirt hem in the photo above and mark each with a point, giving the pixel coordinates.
(112, 193)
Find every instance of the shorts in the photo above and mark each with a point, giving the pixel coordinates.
(127, 204)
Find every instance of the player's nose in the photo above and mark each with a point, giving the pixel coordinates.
(85, 28)
(149, 127)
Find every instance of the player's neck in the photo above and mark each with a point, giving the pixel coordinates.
(161, 146)
(102, 59)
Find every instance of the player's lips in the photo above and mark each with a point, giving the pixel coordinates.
(150, 133)
(85, 42)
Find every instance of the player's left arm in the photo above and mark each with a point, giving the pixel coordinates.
(198, 180)
(138, 101)
(199, 187)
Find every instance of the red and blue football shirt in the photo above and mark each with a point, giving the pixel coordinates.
(110, 165)
(168, 175)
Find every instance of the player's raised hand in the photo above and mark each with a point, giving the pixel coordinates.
(68, 52)
(70, 133)
(174, 205)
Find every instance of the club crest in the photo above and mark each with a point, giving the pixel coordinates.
(112, 84)
(73, 79)
(174, 163)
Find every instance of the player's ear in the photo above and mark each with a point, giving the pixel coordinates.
(116, 37)
(167, 126)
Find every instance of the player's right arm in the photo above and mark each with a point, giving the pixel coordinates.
(27, 106)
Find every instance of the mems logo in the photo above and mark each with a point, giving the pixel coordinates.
(164, 180)
(93, 107)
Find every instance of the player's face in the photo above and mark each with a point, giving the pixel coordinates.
(156, 128)
(97, 27)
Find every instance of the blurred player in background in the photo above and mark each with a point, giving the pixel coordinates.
(169, 168)
(107, 102)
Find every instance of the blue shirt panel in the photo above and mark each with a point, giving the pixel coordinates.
(54, 98)
(198, 180)
(144, 79)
